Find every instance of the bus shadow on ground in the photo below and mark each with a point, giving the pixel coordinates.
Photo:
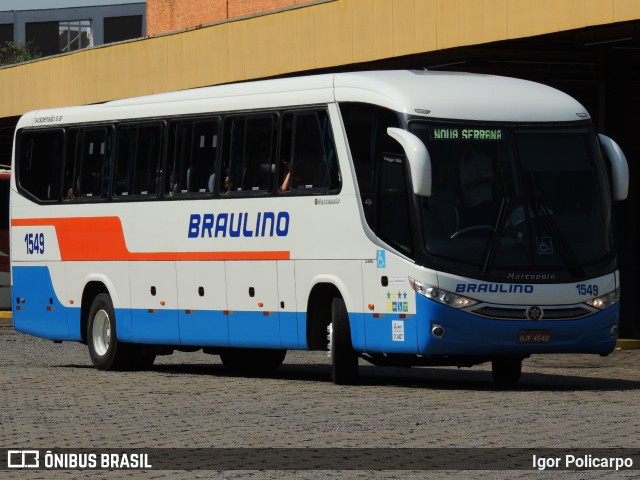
(427, 378)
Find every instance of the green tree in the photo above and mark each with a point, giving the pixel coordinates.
(13, 52)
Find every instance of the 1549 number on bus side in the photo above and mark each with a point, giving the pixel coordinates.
(34, 243)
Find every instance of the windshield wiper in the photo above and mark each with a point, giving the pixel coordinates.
(503, 214)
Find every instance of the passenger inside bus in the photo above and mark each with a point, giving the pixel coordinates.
(286, 178)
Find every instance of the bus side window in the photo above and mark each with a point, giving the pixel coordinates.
(138, 154)
(71, 164)
(94, 153)
(366, 128)
(230, 177)
(307, 153)
(125, 159)
(192, 156)
(147, 160)
(249, 162)
(394, 221)
(39, 161)
(178, 157)
(259, 154)
(204, 157)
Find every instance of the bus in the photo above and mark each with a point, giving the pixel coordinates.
(406, 218)
(5, 276)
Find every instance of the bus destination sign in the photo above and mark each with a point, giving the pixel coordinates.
(467, 134)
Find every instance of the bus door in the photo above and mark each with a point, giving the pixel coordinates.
(253, 306)
(202, 302)
(391, 325)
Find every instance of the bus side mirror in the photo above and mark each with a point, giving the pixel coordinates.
(419, 160)
(619, 167)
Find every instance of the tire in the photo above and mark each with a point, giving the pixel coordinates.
(104, 349)
(141, 358)
(506, 372)
(344, 360)
(252, 360)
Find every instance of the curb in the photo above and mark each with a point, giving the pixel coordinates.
(6, 319)
(628, 344)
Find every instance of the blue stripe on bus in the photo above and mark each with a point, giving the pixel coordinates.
(42, 314)
(173, 327)
(36, 307)
(467, 334)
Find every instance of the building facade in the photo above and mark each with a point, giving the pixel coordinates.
(165, 16)
(55, 27)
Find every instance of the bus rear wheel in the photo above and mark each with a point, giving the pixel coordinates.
(344, 360)
(506, 371)
(104, 349)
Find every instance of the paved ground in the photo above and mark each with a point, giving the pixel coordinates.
(51, 397)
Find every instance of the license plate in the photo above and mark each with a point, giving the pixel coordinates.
(534, 336)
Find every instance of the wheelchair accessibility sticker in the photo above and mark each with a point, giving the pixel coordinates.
(381, 260)
(544, 245)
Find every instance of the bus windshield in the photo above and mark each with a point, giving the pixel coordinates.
(514, 199)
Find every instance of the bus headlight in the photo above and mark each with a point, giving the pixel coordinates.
(440, 295)
(605, 301)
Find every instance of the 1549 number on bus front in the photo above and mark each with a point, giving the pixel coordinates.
(587, 289)
(34, 243)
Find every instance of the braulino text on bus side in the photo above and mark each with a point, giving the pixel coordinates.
(243, 224)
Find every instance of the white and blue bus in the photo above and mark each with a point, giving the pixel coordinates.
(407, 218)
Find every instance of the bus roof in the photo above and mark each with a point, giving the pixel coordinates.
(457, 95)
(438, 95)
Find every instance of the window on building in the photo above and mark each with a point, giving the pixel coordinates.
(6, 33)
(44, 35)
(117, 29)
(52, 38)
(74, 35)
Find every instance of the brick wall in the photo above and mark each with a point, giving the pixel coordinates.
(171, 15)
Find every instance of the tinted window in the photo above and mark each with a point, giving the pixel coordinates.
(87, 161)
(393, 213)
(366, 127)
(249, 164)
(39, 160)
(307, 153)
(138, 160)
(192, 156)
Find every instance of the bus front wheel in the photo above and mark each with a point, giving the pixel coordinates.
(344, 360)
(506, 372)
(104, 349)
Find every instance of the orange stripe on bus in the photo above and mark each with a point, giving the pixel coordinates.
(102, 238)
